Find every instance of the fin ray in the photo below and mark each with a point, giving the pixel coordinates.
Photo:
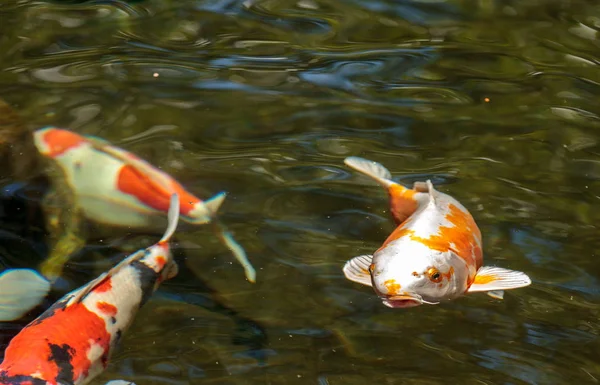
(492, 278)
(357, 269)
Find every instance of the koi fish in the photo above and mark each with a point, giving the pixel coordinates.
(71, 342)
(115, 187)
(434, 254)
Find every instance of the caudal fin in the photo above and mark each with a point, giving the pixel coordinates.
(403, 202)
(206, 211)
(371, 169)
(20, 291)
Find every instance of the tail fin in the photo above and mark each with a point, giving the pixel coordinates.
(214, 204)
(403, 202)
(20, 291)
(173, 216)
(205, 211)
(371, 169)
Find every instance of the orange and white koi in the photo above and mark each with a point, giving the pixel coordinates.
(71, 342)
(435, 253)
(117, 188)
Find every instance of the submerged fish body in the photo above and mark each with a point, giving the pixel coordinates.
(72, 341)
(434, 254)
(115, 187)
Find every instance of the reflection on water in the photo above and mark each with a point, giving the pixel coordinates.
(496, 102)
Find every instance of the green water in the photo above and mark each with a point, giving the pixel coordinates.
(496, 101)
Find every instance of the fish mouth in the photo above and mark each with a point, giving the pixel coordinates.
(402, 301)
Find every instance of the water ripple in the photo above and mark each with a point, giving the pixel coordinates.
(495, 102)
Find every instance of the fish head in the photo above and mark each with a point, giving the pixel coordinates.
(160, 259)
(409, 274)
(54, 142)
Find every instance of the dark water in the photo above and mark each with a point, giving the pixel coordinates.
(496, 101)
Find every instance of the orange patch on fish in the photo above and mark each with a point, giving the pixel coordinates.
(463, 234)
(107, 308)
(74, 329)
(134, 182)
(402, 202)
(160, 261)
(483, 279)
(447, 275)
(59, 141)
(392, 287)
(398, 233)
(105, 286)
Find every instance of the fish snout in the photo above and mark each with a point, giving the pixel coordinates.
(402, 301)
(393, 295)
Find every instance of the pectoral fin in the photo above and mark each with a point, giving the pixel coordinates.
(236, 249)
(20, 291)
(492, 279)
(357, 269)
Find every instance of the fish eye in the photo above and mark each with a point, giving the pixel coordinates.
(434, 275)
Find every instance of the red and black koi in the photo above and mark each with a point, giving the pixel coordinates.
(72, 341)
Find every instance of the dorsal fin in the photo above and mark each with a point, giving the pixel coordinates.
(420, 187)
(372, 169)
(433, 194)
(172, 225)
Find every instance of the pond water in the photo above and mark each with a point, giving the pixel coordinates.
(497, 102)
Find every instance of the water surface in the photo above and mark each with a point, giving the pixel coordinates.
(497, 102)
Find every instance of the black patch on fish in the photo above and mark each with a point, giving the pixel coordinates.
(148, 279)
(113, 320)
(62, 356)
(118, 335)
(5, 379)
